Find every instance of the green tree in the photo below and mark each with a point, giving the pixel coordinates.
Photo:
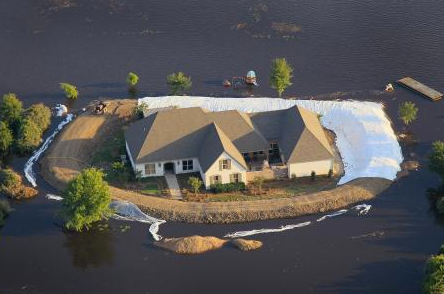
(29, 136)
(407, 112)
(11, 109)
(195, 183)
(86, 200)
(5, 210)
(70, 91)
(132, 79)
(40, 115)
(434, 279)
(436, 159)
(178, 82)
(280, 75)
(6, 139)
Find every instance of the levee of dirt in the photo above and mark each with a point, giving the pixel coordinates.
(73, 149)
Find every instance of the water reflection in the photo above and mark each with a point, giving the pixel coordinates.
(91, 248)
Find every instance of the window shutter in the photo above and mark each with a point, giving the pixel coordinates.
(220, 164)
(229, 163)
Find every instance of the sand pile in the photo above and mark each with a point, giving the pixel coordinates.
(191, 245)
(246, 245)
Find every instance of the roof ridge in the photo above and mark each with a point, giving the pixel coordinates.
(226, 141)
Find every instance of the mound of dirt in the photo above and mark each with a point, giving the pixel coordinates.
(191, 245)
(246, 245)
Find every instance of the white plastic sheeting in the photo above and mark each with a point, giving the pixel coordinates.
(128, 211)
(29, 173)
(361, 208)
(61, 109)
(365, 138)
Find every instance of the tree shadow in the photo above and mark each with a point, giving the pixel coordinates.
(92, 248)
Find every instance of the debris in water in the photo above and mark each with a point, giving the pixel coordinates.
(61, 109)
(29, 173)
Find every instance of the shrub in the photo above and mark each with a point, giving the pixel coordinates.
(10, 183)
(178, 82)
(6, 139)
(433, 283)
(132, 79)
(138, 110)
(195, 183)
(280, 75)
(86, 200)
(70, 91)
(313, 176)
(257, 182)
(11, 109)
(29, 136)
(229, 187)
(40, 115)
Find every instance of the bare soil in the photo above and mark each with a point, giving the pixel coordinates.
(73, 149)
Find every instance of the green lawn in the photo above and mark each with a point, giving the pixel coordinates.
(151, 188)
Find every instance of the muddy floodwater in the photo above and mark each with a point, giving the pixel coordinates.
(340, 50)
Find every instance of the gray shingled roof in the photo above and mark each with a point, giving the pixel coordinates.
(297, 131)
(194, 132)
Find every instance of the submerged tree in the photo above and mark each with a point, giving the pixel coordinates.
(407, 112)
(280, 75)
(437, 159)
(178, 82)
(70, 91)
(195, 183)
(11, 109)
(40, 115)
(132, 79)
(29, 136)
(6, 139)
(86, 200)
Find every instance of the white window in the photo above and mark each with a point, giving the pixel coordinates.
(187, 164)
(216, 179)
(150, 168)
(235, 178)
(225, 164)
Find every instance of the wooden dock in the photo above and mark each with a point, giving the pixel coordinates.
(421, 88)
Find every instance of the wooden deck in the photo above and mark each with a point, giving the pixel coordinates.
(421, 88)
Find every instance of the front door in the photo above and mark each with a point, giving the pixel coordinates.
(168, 167)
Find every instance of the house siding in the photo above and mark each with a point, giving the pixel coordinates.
(178, 167)
(304, 169)
(225, 174)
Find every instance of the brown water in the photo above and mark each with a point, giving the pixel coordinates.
(354, 47)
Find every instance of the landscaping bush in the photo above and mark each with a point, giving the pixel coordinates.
(313, 176)
(40, 115)
(138, 110)
(229, 187)
(433, 283)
